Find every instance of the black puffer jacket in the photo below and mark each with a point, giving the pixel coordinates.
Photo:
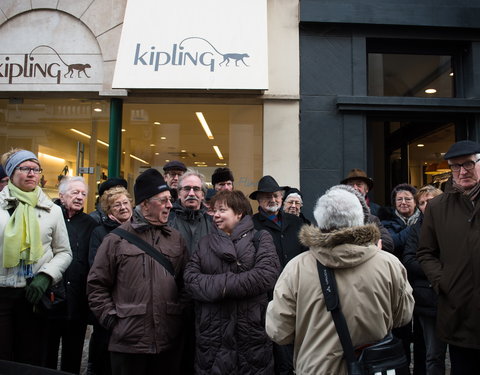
(229, 279)
(98, 234)
(425, 297)
(285, 237)
(79, 227)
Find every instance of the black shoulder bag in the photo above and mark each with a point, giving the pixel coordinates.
(385, 355)
(149, 249)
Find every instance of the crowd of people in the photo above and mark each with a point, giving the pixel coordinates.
(182, 279)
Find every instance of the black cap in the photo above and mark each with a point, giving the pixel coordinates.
(111, 182)
(462, 148)
(148, 184)
(175, 165)
(267, 184)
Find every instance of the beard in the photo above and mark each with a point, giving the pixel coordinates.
(272, 209)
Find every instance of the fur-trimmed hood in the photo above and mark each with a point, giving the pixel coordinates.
(343, 248)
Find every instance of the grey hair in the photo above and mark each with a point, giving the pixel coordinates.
(67, 181)
(361, 198)
(193, 172)
(338, 209)
(294, 195)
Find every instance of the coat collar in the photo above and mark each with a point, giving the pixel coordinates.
(342, 248)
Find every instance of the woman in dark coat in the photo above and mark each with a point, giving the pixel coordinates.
(116, 202)
(229, 276)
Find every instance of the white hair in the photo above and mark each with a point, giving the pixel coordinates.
(67, 181)
(294, 195)
(338, 209)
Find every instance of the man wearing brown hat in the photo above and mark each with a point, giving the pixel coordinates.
(134, 287)
(449, 253)
(359, 180)
(284, 229)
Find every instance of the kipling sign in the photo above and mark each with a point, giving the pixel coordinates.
(193, 44)
(16, 68)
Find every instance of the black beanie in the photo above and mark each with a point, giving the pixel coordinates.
(148, 184)
(221, 175)
(111, 182)
(3, 174)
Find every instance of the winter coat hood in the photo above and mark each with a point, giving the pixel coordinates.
(343, 248)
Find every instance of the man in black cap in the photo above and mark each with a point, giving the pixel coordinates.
(284, 229)
(174, 169)
(222, 179)
(136, 296)
(98, 215)
(449, 253)
(3, 178)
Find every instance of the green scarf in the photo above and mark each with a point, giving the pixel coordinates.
(22, 233)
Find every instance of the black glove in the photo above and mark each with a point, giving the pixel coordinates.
(38, 286)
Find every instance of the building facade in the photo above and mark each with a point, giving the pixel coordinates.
(386, 86)
(108, 88)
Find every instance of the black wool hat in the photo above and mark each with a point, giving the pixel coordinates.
(111, 182)
(175, 165)
(148, 184)
(462, 148)
(221, 175)
(267, 184)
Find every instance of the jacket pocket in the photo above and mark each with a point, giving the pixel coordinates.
(174, 318)
(130, 326)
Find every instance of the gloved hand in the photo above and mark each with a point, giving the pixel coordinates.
(38, 286)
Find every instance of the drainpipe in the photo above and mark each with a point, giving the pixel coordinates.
(115, 139)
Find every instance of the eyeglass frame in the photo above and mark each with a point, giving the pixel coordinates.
(296, 203)
(174, 173)
(459, 166)
(406, 199)
(163, 200)
(27, 170)
(187, 188)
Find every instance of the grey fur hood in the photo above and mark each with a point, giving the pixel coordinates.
(343, 248)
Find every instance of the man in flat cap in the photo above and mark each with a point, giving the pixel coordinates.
(449, 253)
(135, 285)
(173, 170)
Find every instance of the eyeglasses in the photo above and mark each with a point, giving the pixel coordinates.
(468, 165)
(173, 174)
(293, 203)
(27, 170)
(406, 199)
(163, 200)
(187, 188)
(119, 205)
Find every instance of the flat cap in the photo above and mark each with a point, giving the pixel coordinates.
(462, 148)
(175, 165)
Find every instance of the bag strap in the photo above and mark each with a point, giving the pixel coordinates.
(256, 238)
(330, 291)
(149, 249)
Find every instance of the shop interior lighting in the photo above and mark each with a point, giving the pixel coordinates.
(157, 123)
(221, 164)
(89, 136)
(219, 153)
(140, 160)
(430, 91)
(420, 145)
(163, 138)
(204, 124)
(97, 109)
(54, 158)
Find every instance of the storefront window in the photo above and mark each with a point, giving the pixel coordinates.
(202, 136)
(425, 76)
(66, 134)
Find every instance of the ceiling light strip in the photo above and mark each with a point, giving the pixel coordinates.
(219, 153)
(204, 124)
(89, 137)
(137, 158)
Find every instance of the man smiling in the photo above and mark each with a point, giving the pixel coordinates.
(449, 254)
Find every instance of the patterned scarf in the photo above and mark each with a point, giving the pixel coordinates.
(472, 194)
(22, 241)
(411, 219)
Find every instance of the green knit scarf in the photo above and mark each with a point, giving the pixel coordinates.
(22, 239)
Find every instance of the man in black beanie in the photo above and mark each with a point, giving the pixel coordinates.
(138, 297)
(222, 179)
(98, 215)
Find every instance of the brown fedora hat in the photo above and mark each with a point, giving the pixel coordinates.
(358, 174)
